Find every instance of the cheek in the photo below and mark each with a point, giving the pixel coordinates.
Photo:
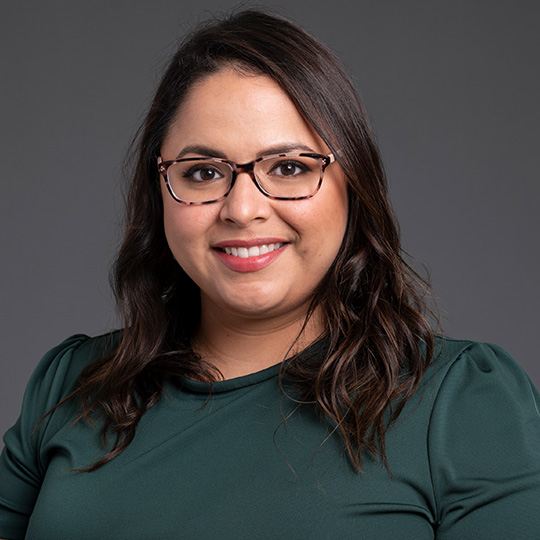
(322, 228)
(185, 228)
(332, 214)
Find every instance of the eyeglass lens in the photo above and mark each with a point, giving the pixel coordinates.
(279, 176)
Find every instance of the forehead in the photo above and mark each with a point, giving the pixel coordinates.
(229, 94)
(239, 113)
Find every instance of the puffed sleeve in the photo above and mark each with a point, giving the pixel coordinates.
(21, 465)
(484, 449)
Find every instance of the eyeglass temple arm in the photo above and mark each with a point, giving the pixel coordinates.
(330, 158)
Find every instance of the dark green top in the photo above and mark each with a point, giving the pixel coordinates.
(465, 459)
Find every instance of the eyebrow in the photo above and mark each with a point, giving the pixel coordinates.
(207, 151)
(201, 150)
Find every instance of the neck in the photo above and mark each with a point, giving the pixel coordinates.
(238, 345)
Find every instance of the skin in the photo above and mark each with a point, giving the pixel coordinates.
(250, 319)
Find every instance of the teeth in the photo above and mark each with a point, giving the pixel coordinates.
(253, 251)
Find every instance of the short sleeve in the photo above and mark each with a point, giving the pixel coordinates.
(484, 449)
(21, 464)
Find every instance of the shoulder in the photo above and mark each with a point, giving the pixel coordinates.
(56, 374)
(473, 390)
(79, 349)
(465, 360)
(484, 423)
(468, 377)
(53, 380)
(73, 354)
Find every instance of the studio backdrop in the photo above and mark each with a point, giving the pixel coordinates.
(452, 89)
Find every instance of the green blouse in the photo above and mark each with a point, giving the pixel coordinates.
(464, 458)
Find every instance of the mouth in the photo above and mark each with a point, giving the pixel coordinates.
(252, 251)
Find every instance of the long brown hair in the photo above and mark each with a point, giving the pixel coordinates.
(379, 341)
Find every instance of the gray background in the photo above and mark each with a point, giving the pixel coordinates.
(453, 89)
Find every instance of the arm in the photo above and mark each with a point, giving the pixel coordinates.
(22, 465)
(484, 446)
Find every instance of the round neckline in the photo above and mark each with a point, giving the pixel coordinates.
(216, 387)
(231, 384)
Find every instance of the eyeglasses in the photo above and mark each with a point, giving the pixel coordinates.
(283, 177)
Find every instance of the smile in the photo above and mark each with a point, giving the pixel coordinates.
(253, 251)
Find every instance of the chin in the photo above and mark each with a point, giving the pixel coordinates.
(260, 306)
(257, 309)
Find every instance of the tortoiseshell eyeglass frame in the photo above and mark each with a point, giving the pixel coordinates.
(236, 168)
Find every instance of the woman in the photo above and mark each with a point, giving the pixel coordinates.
(276, 376)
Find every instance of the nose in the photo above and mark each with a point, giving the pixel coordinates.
(245, 203)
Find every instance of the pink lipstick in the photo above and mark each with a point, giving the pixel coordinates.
(249, 255)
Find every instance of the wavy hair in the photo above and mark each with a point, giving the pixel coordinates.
(379, 339)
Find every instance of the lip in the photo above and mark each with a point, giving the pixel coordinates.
(249, 243)
(250, 264)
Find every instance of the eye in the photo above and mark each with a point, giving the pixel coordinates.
(289, 168)
(202, 172)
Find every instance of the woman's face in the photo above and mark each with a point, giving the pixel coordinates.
(241, 117)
